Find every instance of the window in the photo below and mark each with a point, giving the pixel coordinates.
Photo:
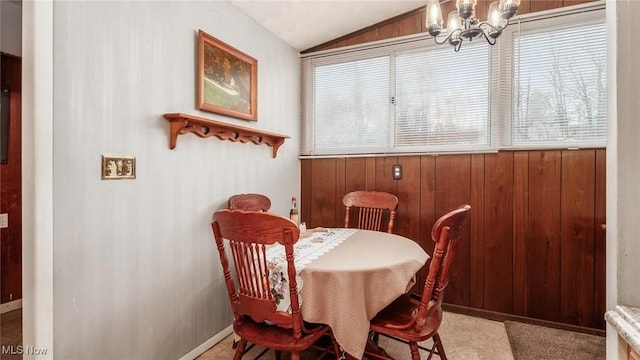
(442, 100)
(559, 85)
(543, 85)
(351, 107)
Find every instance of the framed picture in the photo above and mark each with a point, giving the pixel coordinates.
(115, 167)
(227, 79)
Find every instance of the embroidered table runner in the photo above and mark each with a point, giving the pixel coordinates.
(305, 251)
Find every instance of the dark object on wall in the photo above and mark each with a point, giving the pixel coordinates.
(4, 126)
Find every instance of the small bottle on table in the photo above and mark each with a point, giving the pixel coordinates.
(293, 213)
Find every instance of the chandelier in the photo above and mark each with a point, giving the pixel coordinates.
(463, 23)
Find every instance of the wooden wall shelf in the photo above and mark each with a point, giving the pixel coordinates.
(184, 123)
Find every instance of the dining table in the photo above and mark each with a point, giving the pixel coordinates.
(346, 276)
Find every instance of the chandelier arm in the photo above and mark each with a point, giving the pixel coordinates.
(491, 26)
(488, 38)
(435, 38)
(488, 27)
(491, 40)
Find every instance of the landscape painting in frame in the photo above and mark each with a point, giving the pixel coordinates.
(227, 79)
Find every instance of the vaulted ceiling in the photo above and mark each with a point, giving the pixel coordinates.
(306, 23)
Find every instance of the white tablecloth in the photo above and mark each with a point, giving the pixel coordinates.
(348, 276)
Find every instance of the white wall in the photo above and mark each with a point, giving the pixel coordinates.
(37, 177)
(10, 24)
(136, 274)
(628, 148)
(612, 175)
(623, 165)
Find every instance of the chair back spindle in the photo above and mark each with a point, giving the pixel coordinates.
(372, 208)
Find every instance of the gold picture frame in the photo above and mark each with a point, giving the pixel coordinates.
(227, 79)
(117, 167)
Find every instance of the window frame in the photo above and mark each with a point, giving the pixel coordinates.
(500, 87)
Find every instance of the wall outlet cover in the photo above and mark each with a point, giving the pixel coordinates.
(397, 172)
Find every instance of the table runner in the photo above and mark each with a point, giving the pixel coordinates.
(305, 250)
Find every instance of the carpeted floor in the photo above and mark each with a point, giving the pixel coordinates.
(532, 342)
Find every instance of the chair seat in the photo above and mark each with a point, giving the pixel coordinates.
(401, 312)
(278, 338)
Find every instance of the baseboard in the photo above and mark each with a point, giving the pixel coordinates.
(208, 344)
(502, 317)
(10, 306)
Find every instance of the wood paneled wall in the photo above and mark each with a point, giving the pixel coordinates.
(11, 186)
(534, 246)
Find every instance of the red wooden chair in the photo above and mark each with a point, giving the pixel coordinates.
(249, 202)
(251, 294)
(410, 319)
(372, 207)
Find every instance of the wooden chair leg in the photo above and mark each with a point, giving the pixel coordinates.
(278, 354)
(336, 347)
(374, 352)
(295, 355)
(240, 349)
(438, 343)
(415, 352)
(375, 338)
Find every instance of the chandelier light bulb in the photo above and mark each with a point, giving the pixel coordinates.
(453, 22)
(508, 8)
(454, 27)
(466, 8)
(495, 20)
(434, 17)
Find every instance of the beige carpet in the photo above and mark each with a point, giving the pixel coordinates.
(396, 349)
(532, 342)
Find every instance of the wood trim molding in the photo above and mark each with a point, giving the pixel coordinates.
(633, 355)
(184, 123)
(502, 317)
(11, 306)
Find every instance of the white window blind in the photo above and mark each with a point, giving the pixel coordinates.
(442, 99)
(559, 86)
(543, 85)
(351, 106)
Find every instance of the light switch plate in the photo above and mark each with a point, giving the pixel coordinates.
(115, 167)
(4, 221)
